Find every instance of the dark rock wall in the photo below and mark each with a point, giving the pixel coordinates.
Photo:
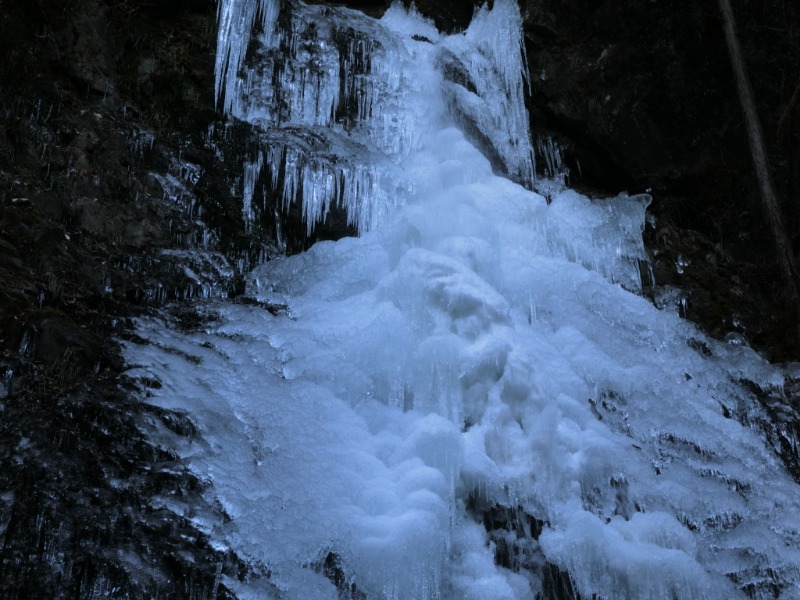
(641, 96)
(101, 102)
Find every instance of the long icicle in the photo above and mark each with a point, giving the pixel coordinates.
(236, 19)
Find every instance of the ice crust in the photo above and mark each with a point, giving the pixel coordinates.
(480, 348)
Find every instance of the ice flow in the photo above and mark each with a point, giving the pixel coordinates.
(468, 401)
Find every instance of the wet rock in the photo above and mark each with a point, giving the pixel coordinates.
(454, 70)
(47, 204)
(125, 224)
(9, 259)
(100, 524)
(449, 15)
(781, 424)
(602, 80)
(12, 302)
(334, 571)
(87, 52)
(514, 534)
(54, 339)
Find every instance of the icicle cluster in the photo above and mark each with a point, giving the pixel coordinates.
(331, 101)
(236, 20)
(550, 151)
(302, 165)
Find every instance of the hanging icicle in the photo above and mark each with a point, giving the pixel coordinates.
(236, 20)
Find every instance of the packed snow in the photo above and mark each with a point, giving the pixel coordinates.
(477, 348)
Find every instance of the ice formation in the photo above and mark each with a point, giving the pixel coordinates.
(236, 20)
(468, 401)
(342, 99)
(492, 53)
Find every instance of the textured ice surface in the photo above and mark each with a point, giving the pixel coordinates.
(491, 52)
(476, 352)
(472, 350)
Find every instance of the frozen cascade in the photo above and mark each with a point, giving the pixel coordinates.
(343, 99)
(477, 352)
(493, 101)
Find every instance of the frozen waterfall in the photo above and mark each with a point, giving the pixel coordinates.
(469, 400)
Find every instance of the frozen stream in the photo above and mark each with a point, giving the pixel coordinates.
(476, 350)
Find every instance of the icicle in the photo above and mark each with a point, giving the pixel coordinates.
(550, 151)
(236, 19)
(252, 171)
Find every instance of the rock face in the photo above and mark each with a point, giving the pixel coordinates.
(104, 169)
(641, 96)
(117, 196)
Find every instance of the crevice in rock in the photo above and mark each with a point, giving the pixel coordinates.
(515, 532)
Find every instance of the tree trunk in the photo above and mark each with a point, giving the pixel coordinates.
(755, 136)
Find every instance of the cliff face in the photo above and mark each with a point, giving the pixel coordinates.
(116, 197)
(642, 96)
(115, 113)
(105, 109)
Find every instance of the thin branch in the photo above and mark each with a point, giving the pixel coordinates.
(755, 136)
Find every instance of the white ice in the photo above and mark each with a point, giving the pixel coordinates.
(236, 20)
